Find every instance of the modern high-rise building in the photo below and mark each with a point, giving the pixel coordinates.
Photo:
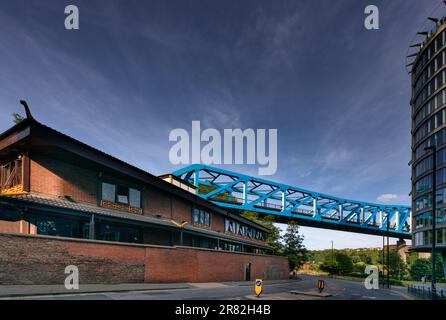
(429, 129)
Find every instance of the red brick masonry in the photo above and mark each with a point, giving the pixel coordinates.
(26, 259)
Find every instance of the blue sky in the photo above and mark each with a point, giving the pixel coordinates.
(337, 93)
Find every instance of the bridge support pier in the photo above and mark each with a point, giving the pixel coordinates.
(401, 248)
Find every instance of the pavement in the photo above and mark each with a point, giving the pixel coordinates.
(45, 290)
(304, 289)
(37, 290)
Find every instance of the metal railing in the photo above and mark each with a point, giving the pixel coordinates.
(224, 188)
(425, 293)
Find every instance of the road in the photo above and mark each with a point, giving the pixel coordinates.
(340, 290)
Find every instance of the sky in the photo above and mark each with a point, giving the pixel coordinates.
(337, 93)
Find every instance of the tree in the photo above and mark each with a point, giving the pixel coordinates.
(329, 265)
(420, 268)
(344, 263)
(360, 267)
(17, 118)
(423, 267)
(413, 256)
(397, 267)
(294, 248)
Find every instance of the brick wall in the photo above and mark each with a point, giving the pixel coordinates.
(10, 226)
(182, 211)
(201, 265)
(21, 226)
(157, 202)
(54, 177)
(218, 222)
(28, 259)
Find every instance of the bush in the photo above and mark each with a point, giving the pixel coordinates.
(359, 267)
(358, 274)
(420, 268)
(344, 262)
(314, 267)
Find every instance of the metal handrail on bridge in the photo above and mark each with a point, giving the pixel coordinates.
(241, 192)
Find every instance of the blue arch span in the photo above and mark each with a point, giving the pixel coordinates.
(234, 190)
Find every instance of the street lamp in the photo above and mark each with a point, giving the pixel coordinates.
(181, 226)
(388, 252)
(434, 216)
(384, 260)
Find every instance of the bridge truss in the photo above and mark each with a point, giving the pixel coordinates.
(241, 192)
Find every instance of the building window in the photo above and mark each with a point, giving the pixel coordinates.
(112, 232)
(108, 192)
(419, 238)
(121, 195)
(201, 217)
(427, 237)
(135, 198)
(423, 202)
(61, 227)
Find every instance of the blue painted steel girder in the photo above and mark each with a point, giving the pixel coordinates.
(238, 191)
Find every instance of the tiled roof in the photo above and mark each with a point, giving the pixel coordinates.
(140, 174)
(39, 200)
(67, 203)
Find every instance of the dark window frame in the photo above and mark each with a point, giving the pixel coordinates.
(117, 186)
(201, 214)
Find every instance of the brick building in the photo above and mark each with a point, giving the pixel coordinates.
(62, 192)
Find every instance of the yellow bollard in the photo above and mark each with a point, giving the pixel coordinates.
(320, 285)
(259, 287)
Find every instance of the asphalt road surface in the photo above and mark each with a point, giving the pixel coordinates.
(340, 290)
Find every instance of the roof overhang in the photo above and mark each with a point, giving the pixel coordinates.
(30, 136)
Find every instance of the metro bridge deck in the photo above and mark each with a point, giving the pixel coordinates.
(241, 192)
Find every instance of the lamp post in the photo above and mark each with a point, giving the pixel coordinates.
(434, 217)
(388, 253)
(384, 260)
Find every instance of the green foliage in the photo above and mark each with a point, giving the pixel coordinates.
(330, 266)
(420, 268)
(344, 262)
(325, 260)
(224, 197)
(17, 118)
(359, 267)
(336, 263)
(413, 256)
(423, 267)
(397, 267)
(294, 248)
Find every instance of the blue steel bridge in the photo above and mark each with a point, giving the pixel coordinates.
(308, 208)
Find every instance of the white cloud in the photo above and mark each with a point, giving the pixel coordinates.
(390, 197)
